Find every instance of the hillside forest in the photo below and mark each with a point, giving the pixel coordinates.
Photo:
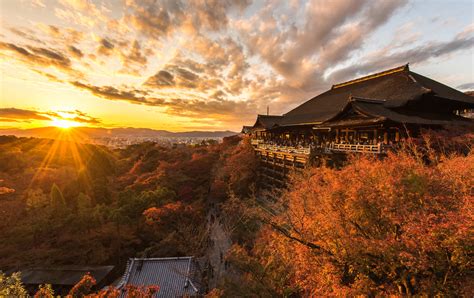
(398, 225)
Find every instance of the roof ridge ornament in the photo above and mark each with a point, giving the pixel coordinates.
(373, 76)
(366, 99)
(268, 116)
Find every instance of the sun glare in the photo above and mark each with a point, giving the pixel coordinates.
(63, 123)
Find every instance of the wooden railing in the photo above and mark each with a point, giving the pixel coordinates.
(378, 148)
(328, 148)
(255, 142)
(285, 149)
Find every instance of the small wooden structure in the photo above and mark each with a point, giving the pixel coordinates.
(371, 114)
(63, 278)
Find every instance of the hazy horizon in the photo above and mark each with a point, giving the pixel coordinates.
(6, 128)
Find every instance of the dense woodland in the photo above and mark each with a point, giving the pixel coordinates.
(398, 225)
(84, 204)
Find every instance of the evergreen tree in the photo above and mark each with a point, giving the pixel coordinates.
(57, 198)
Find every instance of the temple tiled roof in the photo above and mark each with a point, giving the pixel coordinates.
(174, 276)
(398, 87)
(267, 121)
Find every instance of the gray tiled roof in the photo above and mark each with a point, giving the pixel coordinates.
(172, 275)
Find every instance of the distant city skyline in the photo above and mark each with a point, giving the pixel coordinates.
(211, 65)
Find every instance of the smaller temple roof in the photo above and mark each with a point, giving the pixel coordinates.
(174, 276)
(267, 121)
(371, 111)
(63, 275)
(246, 129)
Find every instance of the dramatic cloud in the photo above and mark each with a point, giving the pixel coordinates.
(76, 116)
(18, 115)
(194, 108)
(40, 57)
(27, 34)
(135, 59)
(62, 35)
(221, 61)
(414, 55)
(153, 18)
(159, 19)
(173, 76)
(161, 79)
(105, 47)
(75, 52)
(113, 93)
(222, 110)
(331, 31)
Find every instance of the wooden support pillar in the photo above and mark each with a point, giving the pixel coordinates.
(385, 138)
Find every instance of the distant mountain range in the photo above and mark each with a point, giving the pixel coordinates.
(96, 132)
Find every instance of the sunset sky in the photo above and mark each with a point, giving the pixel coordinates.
(212, 65)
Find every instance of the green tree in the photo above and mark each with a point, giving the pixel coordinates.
(86, 216)
(57, 198)
(133, 205)
(35, 198)
(84, 202)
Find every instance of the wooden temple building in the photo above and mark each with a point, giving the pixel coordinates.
(371, 114)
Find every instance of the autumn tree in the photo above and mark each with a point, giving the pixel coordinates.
(392, 226)
(44, 291)
(83, 287)
(177, 227)
(237, 170)
(11, 286)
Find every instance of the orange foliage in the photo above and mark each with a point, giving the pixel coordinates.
(83, 287)
(391, 226)
(141, 292)
(6, 190)
(155, 215)
(44, 291)
(238, 171)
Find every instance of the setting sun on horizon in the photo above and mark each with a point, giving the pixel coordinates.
(64, 123)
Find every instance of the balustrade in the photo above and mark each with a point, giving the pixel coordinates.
(378, 148)
(328, 148)
(284, 149)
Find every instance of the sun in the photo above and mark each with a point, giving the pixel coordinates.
(64, 123)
